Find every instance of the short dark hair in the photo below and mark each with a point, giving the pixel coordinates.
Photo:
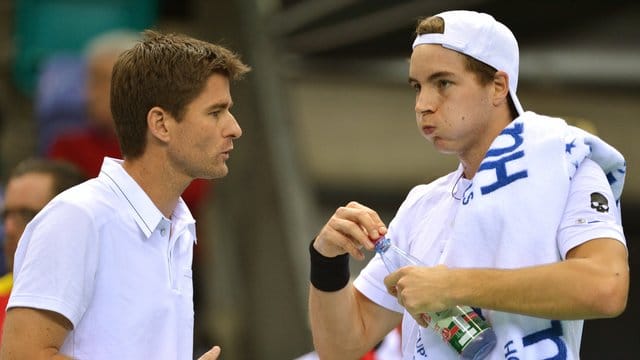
(165, 70)
(64, 173)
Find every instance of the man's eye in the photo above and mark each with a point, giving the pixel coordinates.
(444, 83)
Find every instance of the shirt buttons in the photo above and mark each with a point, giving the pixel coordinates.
(163, 231)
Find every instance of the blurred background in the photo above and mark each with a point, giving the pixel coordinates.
(327, 117)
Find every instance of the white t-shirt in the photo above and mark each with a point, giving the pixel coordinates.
(102, 255)
(584, 219)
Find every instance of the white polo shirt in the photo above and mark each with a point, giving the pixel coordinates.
(102, 255)
(423, 228)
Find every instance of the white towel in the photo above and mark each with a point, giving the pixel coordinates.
(510, 214)
(514, 206)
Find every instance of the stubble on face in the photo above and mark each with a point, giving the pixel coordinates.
(204, 138)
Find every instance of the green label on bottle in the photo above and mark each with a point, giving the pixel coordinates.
(458, 330)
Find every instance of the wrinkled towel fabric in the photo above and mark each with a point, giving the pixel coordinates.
(511, 211)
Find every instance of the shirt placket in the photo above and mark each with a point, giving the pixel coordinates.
(169, 238)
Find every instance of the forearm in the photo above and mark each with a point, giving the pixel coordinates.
(345, 324)
(338, 332)
(12, 349)
(33, 334)
(577, 288)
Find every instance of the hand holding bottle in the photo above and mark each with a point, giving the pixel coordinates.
(349, 230)
(421, 289)
(460, 326)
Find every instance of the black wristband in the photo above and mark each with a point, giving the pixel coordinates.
(328, 273)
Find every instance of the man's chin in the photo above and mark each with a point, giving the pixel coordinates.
(217, 173)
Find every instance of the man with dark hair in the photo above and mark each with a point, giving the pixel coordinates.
(31, 185)
(97, 138)
(105, 271)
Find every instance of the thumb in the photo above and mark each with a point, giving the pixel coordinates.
(391, 281)
(211, 354)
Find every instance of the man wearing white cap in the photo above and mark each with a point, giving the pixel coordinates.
(527, 230)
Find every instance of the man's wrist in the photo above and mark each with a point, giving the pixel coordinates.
(328, 273)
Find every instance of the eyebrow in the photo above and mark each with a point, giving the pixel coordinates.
(220, 105)
(434, 76)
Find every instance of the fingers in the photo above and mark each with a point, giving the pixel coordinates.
(423, 319)
(391, 282)
(343, 243)
(369, 220)
(360, 224)
(420, 317)
(403, 284)
(351, 237)
(211, 354)
(351, 228)
(416, 289)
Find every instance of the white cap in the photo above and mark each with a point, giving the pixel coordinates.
(483, 38)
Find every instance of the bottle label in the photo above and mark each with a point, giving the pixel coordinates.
(458, 329)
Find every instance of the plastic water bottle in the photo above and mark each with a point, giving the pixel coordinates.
(461, 326)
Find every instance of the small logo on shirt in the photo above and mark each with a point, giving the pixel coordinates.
(599, 202)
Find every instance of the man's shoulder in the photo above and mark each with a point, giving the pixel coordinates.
(93, 195)
(429, 195)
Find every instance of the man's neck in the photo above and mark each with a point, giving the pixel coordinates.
(159, 182)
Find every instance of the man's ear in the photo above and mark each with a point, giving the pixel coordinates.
(501, 88)
(157, 122)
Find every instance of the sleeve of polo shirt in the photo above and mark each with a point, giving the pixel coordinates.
(591, 211)
(370, 281)
(56, 262)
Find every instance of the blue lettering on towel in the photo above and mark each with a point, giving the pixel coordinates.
(554, 333)
(510, 352)
(516, 133)
(500, 165)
